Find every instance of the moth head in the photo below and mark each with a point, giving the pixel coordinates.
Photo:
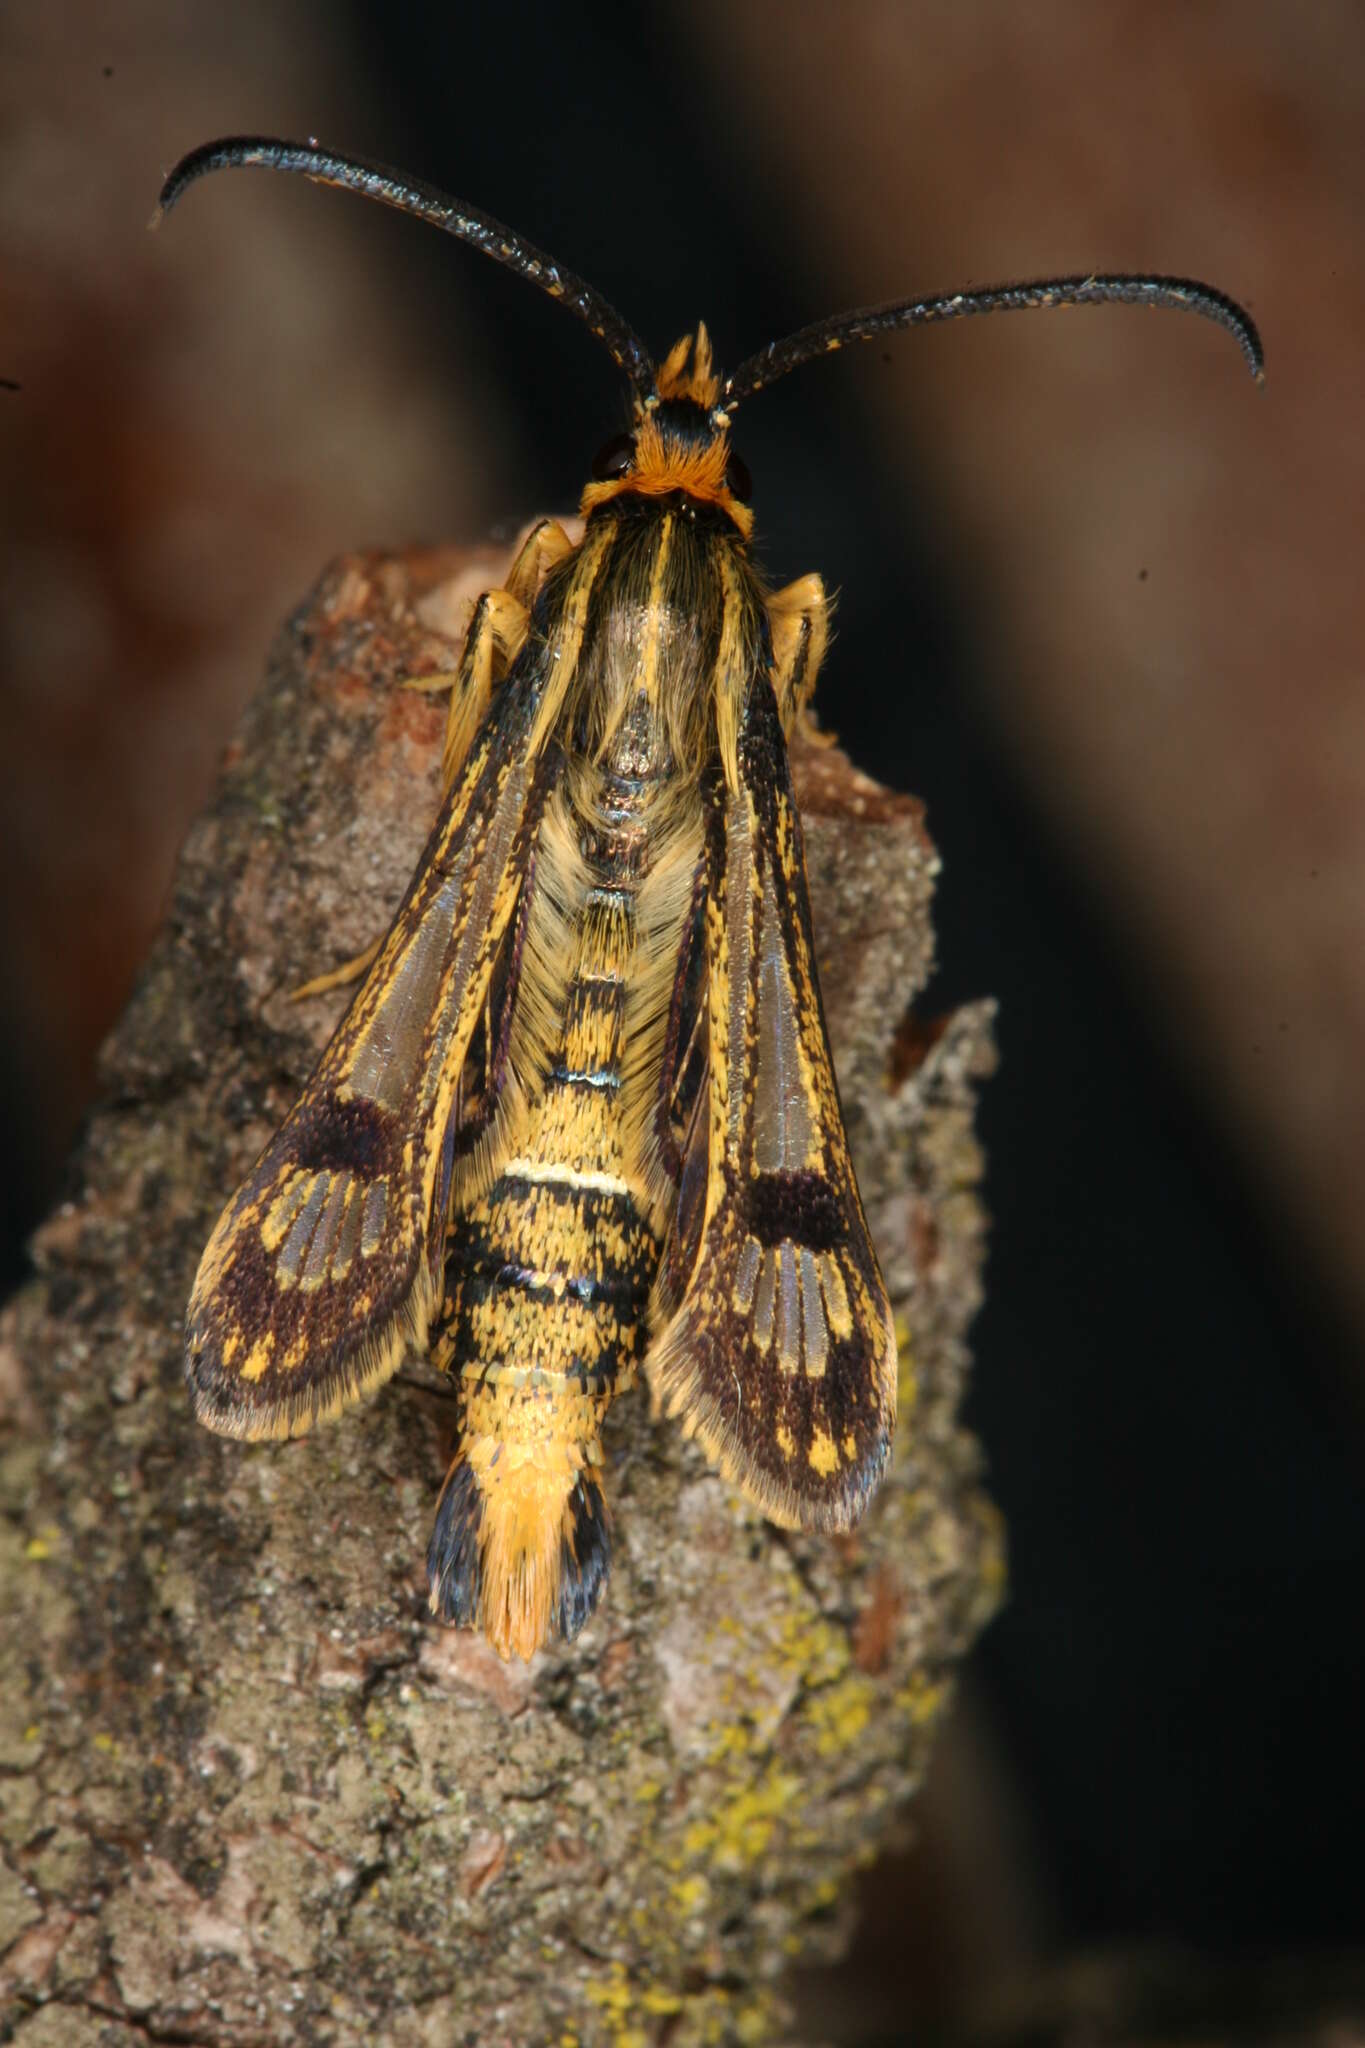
(680, 441)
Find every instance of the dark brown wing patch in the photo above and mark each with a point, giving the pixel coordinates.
(778, 1350)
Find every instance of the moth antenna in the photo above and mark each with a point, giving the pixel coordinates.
(424, 202)
(822, 337)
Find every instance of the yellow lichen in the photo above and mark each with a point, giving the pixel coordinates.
(612, 1994)
(619, 2002)
(754, 2024)
(994, 1562)
(812, 1649)
(839, 1713)
(920, 1700)
(741, 1827)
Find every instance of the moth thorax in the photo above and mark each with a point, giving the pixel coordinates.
(674, 594)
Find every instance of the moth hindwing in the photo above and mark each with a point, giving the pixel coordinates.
(581, 1115)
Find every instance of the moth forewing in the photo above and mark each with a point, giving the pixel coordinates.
(324, 1268)
(780, 1355)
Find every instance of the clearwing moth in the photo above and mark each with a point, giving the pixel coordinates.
(580, 1117)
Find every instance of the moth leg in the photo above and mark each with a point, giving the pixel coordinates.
(439, 680)
(544, 546)
(496, 632)
(338, 977)
(497, 629)
(798, 619)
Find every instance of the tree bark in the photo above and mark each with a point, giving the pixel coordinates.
(251, 1793)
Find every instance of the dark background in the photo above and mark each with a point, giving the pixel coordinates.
(1160, 1736)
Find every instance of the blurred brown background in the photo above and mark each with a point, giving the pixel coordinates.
(1101, 608)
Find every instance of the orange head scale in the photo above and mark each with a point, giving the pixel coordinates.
(680, 441)
(683, 407)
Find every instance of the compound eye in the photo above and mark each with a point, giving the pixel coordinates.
(738, 481)
(614, 460)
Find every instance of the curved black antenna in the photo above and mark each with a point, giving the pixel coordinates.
(411, 195)
(823, 336)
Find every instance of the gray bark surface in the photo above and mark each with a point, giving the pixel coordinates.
(249, 1791)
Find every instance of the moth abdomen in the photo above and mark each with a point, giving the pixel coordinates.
(549, 1266)
(455, 1559)
(521, 1542)
(547, 1287)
